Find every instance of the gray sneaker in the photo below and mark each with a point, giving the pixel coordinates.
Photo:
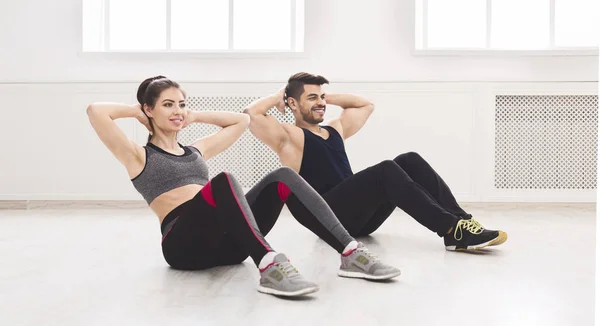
(281, 278)
(361, 263)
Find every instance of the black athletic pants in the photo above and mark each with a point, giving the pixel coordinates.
(365, 200)
(221, 226)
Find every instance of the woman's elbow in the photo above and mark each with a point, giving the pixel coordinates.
(90, 109)
(245, 120)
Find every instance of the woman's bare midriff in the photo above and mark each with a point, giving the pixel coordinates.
(166, 202)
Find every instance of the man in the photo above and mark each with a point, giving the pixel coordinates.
(361, 201)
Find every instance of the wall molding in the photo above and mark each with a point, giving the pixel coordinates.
(284, 79)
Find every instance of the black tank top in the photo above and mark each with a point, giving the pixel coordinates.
(324, 161)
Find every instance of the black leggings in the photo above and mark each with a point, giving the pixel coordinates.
(365, 200)
(221, 226)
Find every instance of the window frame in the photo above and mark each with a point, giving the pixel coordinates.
(217, 53)
(551, 50)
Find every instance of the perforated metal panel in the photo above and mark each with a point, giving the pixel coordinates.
(546, 142)
(248, 160)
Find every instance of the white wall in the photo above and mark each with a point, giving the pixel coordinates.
(346, 40)
(49, 151)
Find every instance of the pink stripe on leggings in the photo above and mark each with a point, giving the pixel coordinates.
(283, 191)
(207, 195)
(246, 217)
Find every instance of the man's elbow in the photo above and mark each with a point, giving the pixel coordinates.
(370, 107)
(248, 111)
(251, 117)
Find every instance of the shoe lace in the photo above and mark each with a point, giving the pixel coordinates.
(366, 251)
(287, 268)
(476, 222)
(470, 225)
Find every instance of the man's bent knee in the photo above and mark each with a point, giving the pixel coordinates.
(409, 157)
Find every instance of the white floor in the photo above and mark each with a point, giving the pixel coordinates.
(104, 267)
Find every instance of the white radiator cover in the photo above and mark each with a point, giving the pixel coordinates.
(546, 142)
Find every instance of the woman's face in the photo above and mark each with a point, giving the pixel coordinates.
(169, 112)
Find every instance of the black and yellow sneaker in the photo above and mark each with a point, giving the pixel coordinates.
(469, 234)
(502, 236)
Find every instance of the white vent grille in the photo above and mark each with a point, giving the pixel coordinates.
(248, 160)
(546, 142)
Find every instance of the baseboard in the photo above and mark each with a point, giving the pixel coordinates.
(136, 204)
(489, 205)
(538, 196)
(75, 204)
(13, 204)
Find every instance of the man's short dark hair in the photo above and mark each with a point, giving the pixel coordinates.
(295, 85)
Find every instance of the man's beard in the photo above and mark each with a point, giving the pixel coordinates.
(308, 118)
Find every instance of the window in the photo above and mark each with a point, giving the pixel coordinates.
(193, 26)
(530, 25)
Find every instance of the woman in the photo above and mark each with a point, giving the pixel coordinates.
(207, 223)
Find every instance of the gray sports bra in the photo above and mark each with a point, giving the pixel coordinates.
(164, 171)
